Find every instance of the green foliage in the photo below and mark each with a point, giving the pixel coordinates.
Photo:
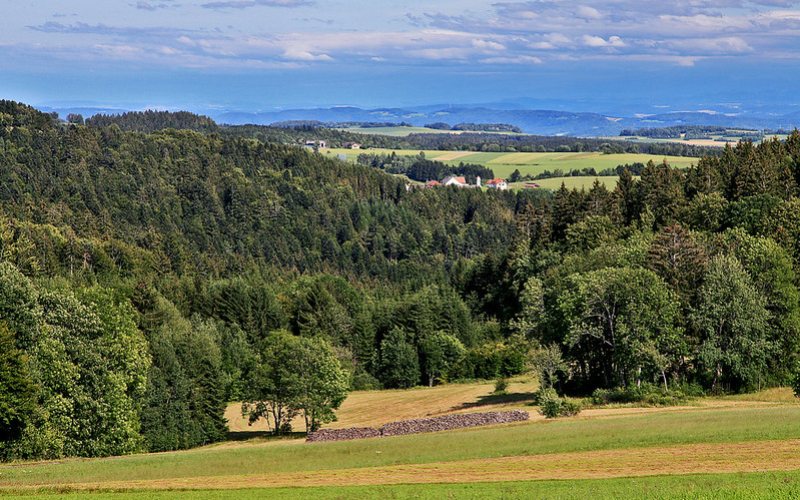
(625, 321)
(185, 401)
(552, 406)
(646, 394)
(549, 363)
(399, 361)
(17, 390)
(501, 385)
(295, 375)
(218, 236)
(440, 353)
(733, 319)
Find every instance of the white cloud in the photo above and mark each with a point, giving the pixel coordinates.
(487, 45)
(597, 41)
(587, 12)
(512, 60)
(303, 55)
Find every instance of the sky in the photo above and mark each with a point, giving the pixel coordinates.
(606, 56)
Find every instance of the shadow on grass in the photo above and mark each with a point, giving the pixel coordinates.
(247, 435)
(498, 399)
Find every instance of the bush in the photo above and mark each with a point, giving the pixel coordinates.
(570, 408)
(646, 394)
(552, 406)
(501, 385)
(796, 382)
(363, 381)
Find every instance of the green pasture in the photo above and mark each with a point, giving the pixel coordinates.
(757, 485)
(697, 425)
(578, 182)
(503, 164)
(405, 131)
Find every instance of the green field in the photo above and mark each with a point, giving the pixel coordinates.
(576, 182)
(742, 447)
(772, 485)
(503, 164)
(405, 131)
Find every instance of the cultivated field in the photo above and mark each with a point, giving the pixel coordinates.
(577, 182)
(405, 131)
(503, 164)
(359, 409)
(737, 447)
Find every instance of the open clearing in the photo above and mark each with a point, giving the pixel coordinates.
(576, 182)
(607, 452)
(375, 408)
(406, 131)
(503, 164)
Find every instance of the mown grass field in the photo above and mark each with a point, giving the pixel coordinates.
(576, 182)
(503, 164)
(405, 131)
(739, 447)
(359, 409)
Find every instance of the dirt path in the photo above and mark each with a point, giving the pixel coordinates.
(686, 459)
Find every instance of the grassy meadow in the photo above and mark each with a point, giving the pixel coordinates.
(503, 164)
(743, 447)
(406, 131)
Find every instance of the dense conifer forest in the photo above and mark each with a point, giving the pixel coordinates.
(147, 271)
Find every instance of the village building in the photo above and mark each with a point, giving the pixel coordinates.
(499, 184)
(314, 145)
(452, 180)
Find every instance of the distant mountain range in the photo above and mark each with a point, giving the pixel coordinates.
(532, 121)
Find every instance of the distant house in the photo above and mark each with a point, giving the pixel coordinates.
(452, 180)
(352, 145)
(499, 184)
(432, 184)
(314, 145)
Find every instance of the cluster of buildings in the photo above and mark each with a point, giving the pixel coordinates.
(316, 145)
(461, 182)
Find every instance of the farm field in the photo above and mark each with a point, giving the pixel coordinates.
(358, 409)
(406, 131)
(577, 182)
(714, 141)
(744, 446)
(503, 164)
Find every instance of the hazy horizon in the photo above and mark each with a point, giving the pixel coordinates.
(612, 57)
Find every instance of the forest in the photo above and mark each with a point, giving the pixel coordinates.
(473, 139)
(150, 275)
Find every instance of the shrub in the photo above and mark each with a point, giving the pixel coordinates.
(363, 381)
(549, 403)
(570, 408)
(646, 394)
(552, 406)
(796, 381)
(501, 385)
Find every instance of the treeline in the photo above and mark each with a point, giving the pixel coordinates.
(144, 274)
(149, 279)
(682, 277)
(531, 143)
(299, 132)
(675, 132)
(420, 169)
(475, 127)
(634, 169)
(152, 121)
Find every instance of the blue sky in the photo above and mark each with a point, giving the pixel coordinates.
(612, 55)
